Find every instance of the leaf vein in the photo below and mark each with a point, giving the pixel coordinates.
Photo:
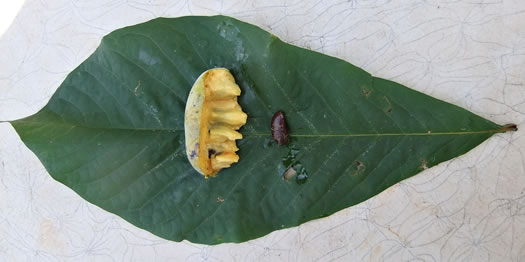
(269, 153)
(148, 73)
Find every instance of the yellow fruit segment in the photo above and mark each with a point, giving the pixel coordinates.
(224, 160)
(212, 107)
(220, 84)
(219, 132)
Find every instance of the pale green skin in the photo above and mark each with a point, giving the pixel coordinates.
(192, 121)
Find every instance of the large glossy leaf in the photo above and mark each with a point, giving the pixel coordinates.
(113, 131)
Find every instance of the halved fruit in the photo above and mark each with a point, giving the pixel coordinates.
(211, 121)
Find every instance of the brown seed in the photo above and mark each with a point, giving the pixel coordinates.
(279, 129)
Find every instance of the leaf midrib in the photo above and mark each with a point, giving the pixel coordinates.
(99, 128)
(490, 131)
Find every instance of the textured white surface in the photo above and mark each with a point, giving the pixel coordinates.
(470, 53)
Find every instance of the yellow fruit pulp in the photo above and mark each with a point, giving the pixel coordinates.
(220, 118)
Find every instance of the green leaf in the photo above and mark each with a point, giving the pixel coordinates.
(114, 132)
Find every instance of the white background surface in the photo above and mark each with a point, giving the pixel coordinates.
(470, 53)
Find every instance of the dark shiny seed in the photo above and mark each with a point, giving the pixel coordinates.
(211, 152)
(279, 129)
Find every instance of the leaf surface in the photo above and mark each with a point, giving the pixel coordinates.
(114, 131)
